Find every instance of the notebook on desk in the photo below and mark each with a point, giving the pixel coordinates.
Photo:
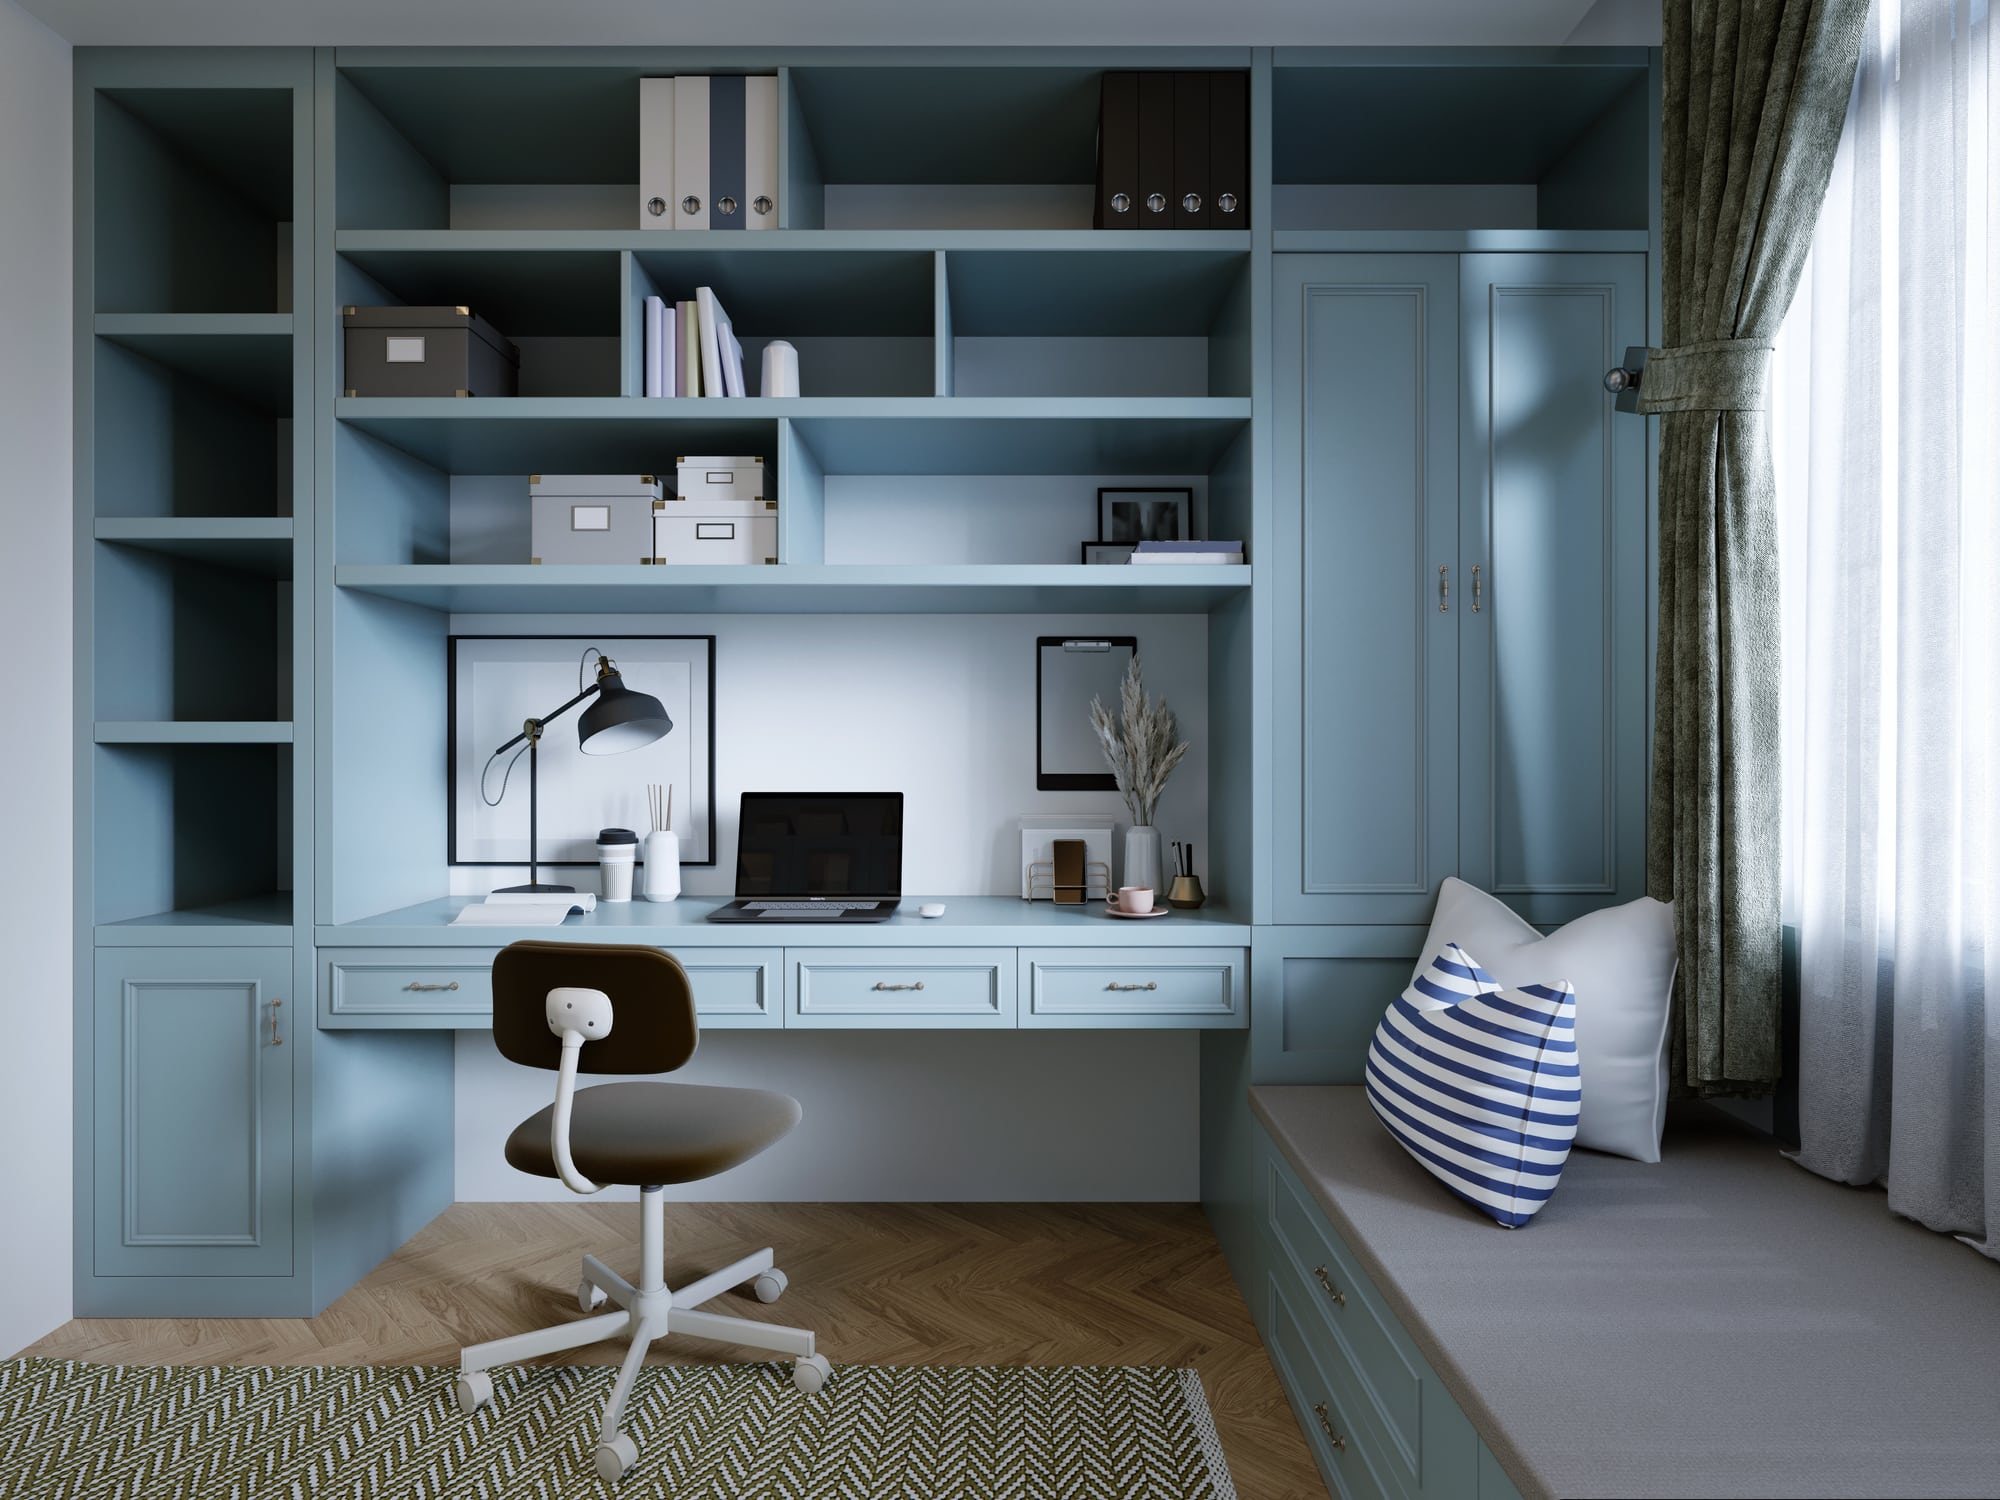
(817, 857)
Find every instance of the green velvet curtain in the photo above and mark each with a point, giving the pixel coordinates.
(1755, 95)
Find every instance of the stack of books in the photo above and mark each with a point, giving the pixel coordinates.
(691, 348)
(1218, 552)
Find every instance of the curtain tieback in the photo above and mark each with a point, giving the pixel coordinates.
(1720, 375)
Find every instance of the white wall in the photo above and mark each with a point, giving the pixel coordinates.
(35, 637)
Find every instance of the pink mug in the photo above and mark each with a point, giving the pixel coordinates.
(1137, 900)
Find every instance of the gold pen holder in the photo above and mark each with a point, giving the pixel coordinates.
(1185, 893)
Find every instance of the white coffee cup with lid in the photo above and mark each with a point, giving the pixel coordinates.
(617, 849)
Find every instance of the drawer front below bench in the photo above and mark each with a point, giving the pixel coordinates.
(452, 989)
(884, 988)
(1345, 1452)
(1154, 988)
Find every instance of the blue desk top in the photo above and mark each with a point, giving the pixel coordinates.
(968, 922)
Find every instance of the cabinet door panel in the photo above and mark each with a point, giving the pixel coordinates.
(1365, 494)
(1553, 662)
(193, 1112)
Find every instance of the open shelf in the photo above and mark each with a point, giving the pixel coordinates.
(249, 921)
(183, 640)
(250, 544)
(1511, 138)
(801, 589)
(192, 423)
(741, 246)
(194, 200)
(852, 435)
(244, 356)
(192, 732)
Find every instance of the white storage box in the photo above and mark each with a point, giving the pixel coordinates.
(592, 518)
(701, 534)
(738, 479)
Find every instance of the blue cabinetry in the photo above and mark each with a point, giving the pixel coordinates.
(192, 1112)
(1464, 523)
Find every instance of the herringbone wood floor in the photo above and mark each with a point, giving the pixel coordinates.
(963, 1284)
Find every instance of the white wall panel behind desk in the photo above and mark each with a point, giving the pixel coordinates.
(903, 1117)
(35, 644)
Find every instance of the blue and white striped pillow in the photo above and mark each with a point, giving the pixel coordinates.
(1480, 1083)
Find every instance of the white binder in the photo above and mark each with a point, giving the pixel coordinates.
(760, 151)
(656, 153)
(690, 200)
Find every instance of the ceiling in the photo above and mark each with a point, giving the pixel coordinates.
(788, 23)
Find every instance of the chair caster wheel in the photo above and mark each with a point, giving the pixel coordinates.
(588, 1297)
(473, 1389)
(770, 1286)
(615, 1458)
(810, 1372)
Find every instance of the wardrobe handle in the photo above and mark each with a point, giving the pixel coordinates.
(414, 985)
(1444, 588)
(1339, 1442)
(1475, 588)
(276, 1040)
(1339, 1298)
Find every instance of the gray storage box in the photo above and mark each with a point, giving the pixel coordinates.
(739, 479)
(592, 518)
(426, 351)
(709, 533)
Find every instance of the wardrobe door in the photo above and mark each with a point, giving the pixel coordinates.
(1554, 661)
(1368, 587)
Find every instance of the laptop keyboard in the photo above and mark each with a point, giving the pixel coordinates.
(791, 907)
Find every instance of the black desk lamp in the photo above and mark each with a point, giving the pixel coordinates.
(619, 720)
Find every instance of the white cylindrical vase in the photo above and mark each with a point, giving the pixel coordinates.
(781, 370)
(663, 866)
(1142, 857)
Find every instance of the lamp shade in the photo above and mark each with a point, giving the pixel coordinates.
(620, 719)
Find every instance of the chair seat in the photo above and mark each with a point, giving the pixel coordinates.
(653, 1133)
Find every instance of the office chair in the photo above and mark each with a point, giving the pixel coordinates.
(554, 1005)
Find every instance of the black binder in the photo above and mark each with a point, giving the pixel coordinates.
(1156, 151)
(726, 150)
(1191, 151)
(1118, 152)
(1229, 150)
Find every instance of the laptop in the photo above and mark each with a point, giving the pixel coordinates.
(817, 857)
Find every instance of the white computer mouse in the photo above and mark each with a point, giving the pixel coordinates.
(931, 909)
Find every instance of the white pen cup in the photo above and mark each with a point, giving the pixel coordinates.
(617, 848)
(663, 865)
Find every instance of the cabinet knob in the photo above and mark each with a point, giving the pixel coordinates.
(1339, 1298)
(276, 1040)
(1339, 1442)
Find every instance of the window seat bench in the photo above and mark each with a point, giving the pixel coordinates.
(1722, 1323)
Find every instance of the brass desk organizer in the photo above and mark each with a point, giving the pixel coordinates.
(1042, 884)
(1185, 892)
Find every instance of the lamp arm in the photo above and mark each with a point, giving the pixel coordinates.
(538, 725)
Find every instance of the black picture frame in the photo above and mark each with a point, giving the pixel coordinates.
(1123, 551)
(451, 743)
(1145, 513)
(1072, 781)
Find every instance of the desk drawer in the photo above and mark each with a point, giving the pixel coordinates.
(1347, 1313)
(884, 988)
(452, 988)
(1157, 988)
(1342, 1450)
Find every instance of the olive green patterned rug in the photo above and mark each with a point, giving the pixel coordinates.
(705, 1432)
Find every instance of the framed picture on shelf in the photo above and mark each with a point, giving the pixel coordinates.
(1101, 554)
(498, 681)
(1144, 515)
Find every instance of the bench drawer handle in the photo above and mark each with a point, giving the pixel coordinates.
(414, 985)
(881, 986)
(1339, 1298)
(1151, 984)
(1339, 1442)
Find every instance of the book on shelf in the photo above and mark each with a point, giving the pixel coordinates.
(659, 350)
(1219, 553)
(721, 354)
(687, 350)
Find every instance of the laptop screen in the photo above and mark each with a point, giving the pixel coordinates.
(791, 845)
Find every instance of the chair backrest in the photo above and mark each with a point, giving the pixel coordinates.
(653, 1027)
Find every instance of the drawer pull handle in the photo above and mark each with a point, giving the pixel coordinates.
(415, 985)
(1151, 984)
(1339, 1298)
(1339, 1442)
(881, 986)
(276, 1040)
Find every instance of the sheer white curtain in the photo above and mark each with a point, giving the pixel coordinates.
(1887, 428)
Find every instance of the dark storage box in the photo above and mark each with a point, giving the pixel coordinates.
(426, 351)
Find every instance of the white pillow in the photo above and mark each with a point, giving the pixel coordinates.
(1621, 961)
